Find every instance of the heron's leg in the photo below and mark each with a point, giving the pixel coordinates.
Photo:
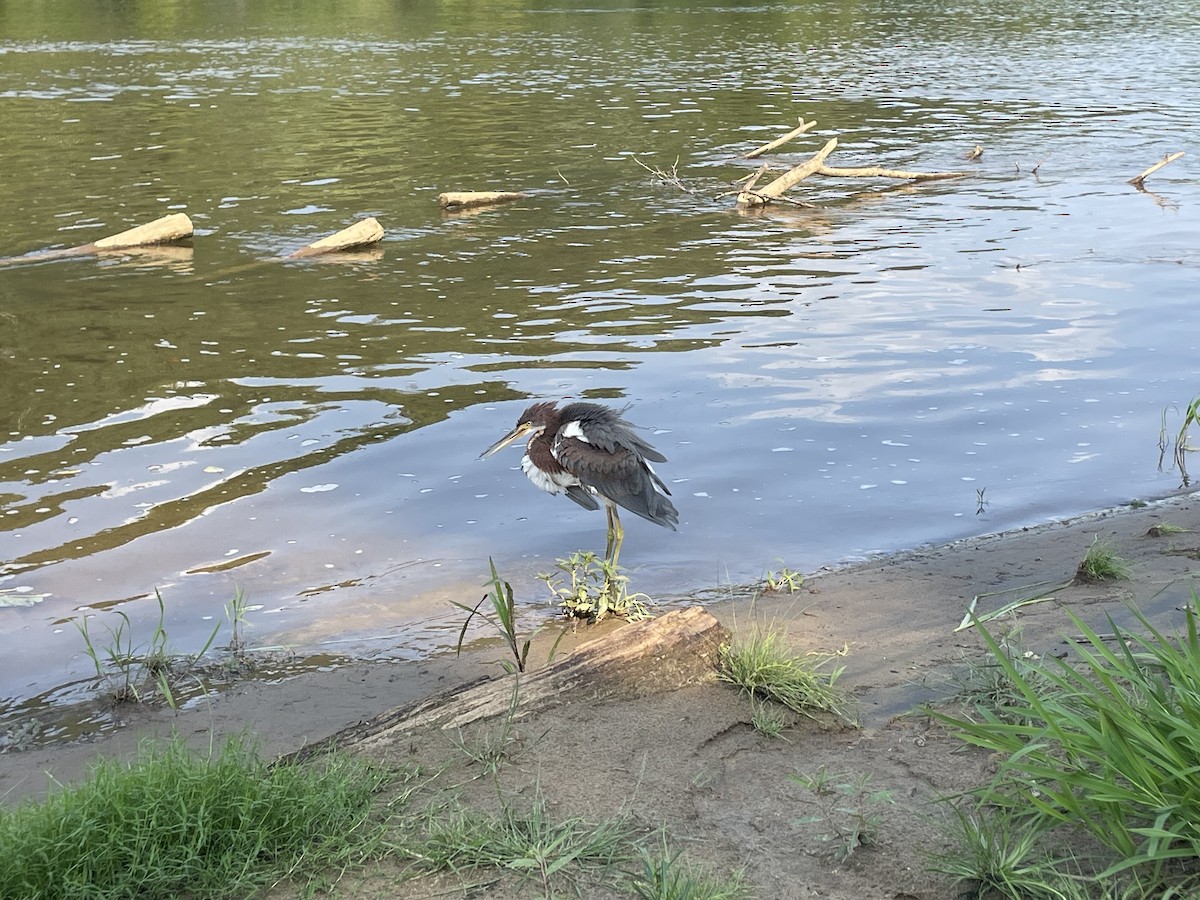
(615, 535)
(618, 535)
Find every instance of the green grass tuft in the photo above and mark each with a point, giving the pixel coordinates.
(765, 667)
(1164, 528)
(669, 876)
(176, 824)
(1101, 563)
(1108, 744)
(526, 841)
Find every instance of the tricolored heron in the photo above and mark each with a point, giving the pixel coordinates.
(586, 451)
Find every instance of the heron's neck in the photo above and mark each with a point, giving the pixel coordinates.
(541, 455)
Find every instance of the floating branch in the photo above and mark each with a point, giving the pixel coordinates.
(974, 153)
(363, 233)
(816, 166)
(453, 200)
(1137, 180)
(168, 229)
(780, 141)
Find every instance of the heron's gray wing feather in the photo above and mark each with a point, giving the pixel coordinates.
(620, 476)
(582, 496)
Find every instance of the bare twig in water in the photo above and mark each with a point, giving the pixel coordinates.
(779, 142)
(667, 176)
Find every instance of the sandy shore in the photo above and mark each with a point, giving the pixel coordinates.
(688, 758)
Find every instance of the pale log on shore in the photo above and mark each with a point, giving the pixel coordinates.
(816, 166)
(780, 141)
(363, 233)
(650, 657)
(467, 199)
(168, 229)
(1137, 180)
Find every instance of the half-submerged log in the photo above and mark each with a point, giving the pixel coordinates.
(166, 230)
(1138, 179)
(649, 657)
(452, 200)
(363, 233)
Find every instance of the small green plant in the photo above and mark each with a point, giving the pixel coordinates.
(767, 718)
(846, 807)
(666, 875)
(998, 852)
(132, 673)
(175, 823)
(235, 613)
(1181, 444)
(764, 666)
(528, 842)
(1101, 563)
(591, 588)
(491, 747)
(503, 619)
(1162, 529)
(785, 581)
(1107, 744)
(985, 682)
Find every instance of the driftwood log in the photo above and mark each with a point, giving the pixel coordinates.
(166, 230)
(363, 233)
(815, 165)
(649, 657)
(452, 200)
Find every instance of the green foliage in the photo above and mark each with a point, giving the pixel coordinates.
(767, 718)
(175, 824)
(1110, 745)
(1181, 444)
(235, 613)
(668, 876)
(588, 587)
(783, 581)
(490, 746)
(1101, 563)
(503, 619)
(1000, 853)
(763, 665)
(129, 671)
(1162, 529)
(985, 682)
(846, 808)
(526, 841)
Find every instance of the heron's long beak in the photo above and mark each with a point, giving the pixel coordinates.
(519, 432)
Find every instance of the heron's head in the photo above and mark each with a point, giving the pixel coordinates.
(535, 420)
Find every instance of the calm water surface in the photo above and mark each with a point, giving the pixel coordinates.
(827, 383)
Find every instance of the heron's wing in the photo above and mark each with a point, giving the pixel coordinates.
(582, 496)
(620, 476)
